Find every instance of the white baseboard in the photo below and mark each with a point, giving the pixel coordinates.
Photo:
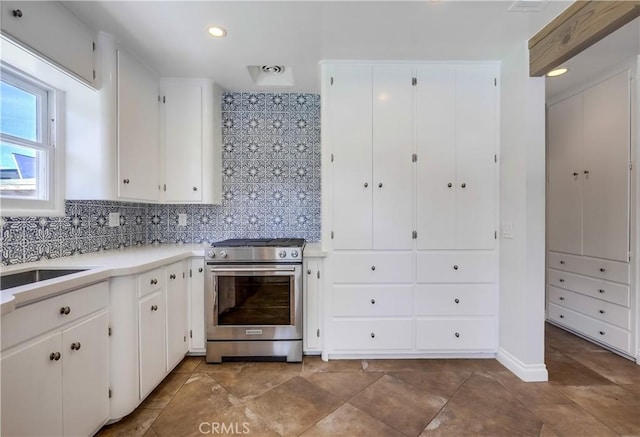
(526, 372)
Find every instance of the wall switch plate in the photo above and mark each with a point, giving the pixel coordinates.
(507, 230)
(114, 219)
(182, 220)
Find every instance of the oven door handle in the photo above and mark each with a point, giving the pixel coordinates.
(253, 269)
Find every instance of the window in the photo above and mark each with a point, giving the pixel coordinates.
(29, 157)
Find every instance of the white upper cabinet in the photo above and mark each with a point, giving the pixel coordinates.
(371, 131)
(456, 129)
(191, 153)
(589, 171)
(52, 31)
(137, 130)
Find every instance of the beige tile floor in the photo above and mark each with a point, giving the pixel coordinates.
(591, 392)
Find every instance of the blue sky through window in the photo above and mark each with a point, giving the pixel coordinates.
(18, 117)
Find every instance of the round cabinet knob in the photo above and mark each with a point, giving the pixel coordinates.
(75, 346)
(223, 254)
(455, 267)
(200, 270)
(65, 310)
(211, 254)
(561, 316)
(561, 262)
(54, 356)
(449, 185)
(373, 267)
(373, 335)
(17, 13)
(601, 290)
(125, 181)
(575, 173)
(282, 254)
(463, 185)
(601, 311)
(601, 332)
(456, 300)
(380, 185)
(561, 298)
(602, 269)
(294, 254)
(153, 281)
(195, 188)
(366, 184)
(586, 172)
(373, 301)
(172, 276)
(561, 280)
(309, 272)
(457, 334)
(154, 307)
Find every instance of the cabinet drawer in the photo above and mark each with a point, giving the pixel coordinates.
(457, 267)
(372, 300)
(150, 281)
(605, 290)
(456, 300)
(456, 334)
(599, 331)
(32, 320)
(372, 334)
(598, 268)
(351, 268)
(596, 308)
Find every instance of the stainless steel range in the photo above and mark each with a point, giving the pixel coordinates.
(253, 299)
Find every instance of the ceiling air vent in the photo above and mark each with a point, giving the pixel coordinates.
(528, 5)
(272, 69)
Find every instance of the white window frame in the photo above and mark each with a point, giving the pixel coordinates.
(51, 141)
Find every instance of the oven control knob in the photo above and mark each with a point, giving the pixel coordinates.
(282, 254)
(211, 254)
(294, 254)
(223, 254)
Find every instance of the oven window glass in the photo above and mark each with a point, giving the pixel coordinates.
(254, 300)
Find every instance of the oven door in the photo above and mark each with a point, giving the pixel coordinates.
(254, 302)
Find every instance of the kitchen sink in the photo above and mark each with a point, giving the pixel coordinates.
(32, 276)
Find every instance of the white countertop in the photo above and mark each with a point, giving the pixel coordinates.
(101, 266)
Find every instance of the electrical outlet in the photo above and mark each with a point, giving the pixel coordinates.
(114, 219)
(507, 230)
(182, 220)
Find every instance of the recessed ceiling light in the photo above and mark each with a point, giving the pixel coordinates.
(217, 31)
(557, 72)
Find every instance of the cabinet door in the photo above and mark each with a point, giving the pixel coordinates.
(32, 389)
(392, 149)
(85, 395)
(351, 136)
(311, 301)
(606, 172)
(138, 130)
(183, 135)
(176, 314)
(476, 139)
(564, 173)
(151, 314)
(50, 29)
(196, 306)
(436, 179)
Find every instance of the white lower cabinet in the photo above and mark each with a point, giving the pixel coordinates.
(151, 316)
(197, 341)
(176, 312)
(57, 382)
(457, 334)
(312, 309)
(377, 335)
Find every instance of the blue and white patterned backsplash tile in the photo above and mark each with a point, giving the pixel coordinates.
(271, 188)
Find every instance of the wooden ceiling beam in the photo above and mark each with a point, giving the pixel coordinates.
(581, 25)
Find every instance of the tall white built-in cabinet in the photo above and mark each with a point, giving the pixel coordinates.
(588, 213)
(412, 208)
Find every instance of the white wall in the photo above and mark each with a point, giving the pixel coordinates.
(522, 200)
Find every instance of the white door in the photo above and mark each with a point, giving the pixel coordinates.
(151, 314)
(138, 130)
(182, 105)
(350, 133)
(311, 301)
(565, 175)
(435, 132)
(32, 388)
(392, 157)
(196, 306)
(85, 395)
(476, 139)
(606, 173)
(176, 314)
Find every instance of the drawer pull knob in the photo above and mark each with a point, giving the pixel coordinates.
(561, 316)
(366, 184)
(457, 334)
(75, 346)
(373, 335)
(154, 281)
(601, 311)
(561, 262)
(601, 290)
(561, 298)
(200, 270)
(65, 310)
(172, 276)
(455, 267)
(54, 356)
(602, 269)
(373, 267)
(575, 173)
(380, 185)
(309, 272)
(154, 307)
(601, 332)
(373, 301)
(449, 185)
(561, 280)
(463, 185)
(456, 300)
(17, 13)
